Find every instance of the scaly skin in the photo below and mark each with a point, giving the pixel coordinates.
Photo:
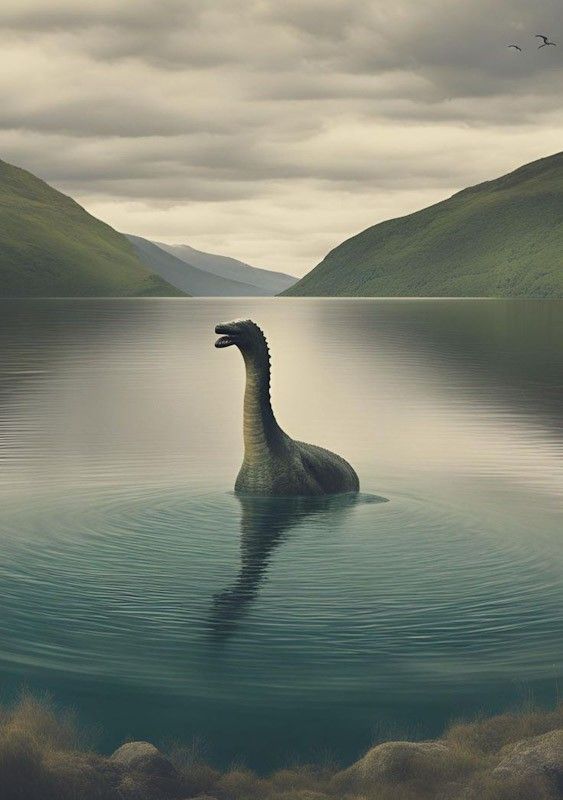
(275, 464)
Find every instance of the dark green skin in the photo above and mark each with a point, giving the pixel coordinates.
(275, 464)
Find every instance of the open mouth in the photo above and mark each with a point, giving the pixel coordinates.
(228, 337)
(224, 341)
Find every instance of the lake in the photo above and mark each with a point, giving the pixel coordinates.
(139, 589)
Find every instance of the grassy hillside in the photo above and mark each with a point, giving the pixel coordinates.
(50, 246)
(184, 276)
(499, 238)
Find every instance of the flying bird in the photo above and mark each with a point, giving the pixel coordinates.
(515, 46)
(546, 42)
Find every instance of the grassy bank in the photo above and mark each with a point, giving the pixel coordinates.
(45, 756)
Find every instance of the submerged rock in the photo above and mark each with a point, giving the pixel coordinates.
(396, 762)
(539, 755)
(146, 770)
(142, 756)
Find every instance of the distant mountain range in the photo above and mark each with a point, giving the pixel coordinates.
(272, 282)
(51, 247)
(500, 238)
(208, 275)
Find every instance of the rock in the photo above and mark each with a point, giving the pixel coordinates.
(539, 755)
(143, 757)
(146, 770)
(396, 762)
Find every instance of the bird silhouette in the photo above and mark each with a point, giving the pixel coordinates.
(546, 42)
(515, 46)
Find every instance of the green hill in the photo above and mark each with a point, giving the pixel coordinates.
(50, 246)
(499, 238)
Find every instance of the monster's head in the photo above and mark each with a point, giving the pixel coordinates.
(245, 334)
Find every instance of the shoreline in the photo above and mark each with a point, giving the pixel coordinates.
(45, 756)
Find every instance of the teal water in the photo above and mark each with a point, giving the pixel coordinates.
(137, 588)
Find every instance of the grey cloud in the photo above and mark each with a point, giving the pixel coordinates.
(195, 169)
(148, 15)
(122, 117)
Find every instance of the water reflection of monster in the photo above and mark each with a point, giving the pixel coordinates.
(275, 464)
(265, 524)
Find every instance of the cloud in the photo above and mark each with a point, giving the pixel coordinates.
(272, 129)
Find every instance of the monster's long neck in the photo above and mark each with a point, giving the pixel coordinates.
(262, 434)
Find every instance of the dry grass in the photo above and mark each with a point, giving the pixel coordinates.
(486, 736)
(488, 787)
(45, 756)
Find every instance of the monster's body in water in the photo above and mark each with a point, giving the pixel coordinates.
(275, 464)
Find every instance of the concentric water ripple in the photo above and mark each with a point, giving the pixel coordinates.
(375, 590)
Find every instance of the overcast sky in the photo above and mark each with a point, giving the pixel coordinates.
(271, 130)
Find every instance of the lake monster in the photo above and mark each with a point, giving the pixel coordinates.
(274, 464)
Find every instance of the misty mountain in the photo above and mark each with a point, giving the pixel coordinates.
(186, 277)
(271, 282)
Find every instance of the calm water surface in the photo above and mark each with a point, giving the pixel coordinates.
(136, 587)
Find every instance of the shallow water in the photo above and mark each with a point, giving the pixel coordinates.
(138, 588)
